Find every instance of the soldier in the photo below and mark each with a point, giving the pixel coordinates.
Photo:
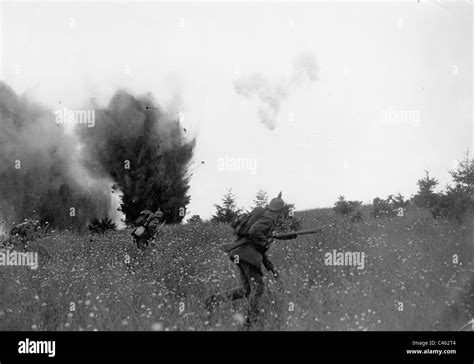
(249, 254)
(142, 218)
(150, 221)
(154, 221)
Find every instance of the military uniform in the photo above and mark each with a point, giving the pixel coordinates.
(153, 221)
(142, 218)
(249, 254)
(150, 221)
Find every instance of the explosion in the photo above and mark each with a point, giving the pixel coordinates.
(68, 178)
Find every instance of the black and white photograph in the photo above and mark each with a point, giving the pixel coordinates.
(245, 168)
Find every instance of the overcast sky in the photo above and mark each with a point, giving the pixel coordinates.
(393, 94)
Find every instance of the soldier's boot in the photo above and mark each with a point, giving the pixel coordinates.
(215, 300)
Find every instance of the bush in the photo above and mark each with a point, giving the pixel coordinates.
(101, 226)
(399, 202)
(348, 208)
(195, 219)
(384, 208)
(356, 216)
(343, 207)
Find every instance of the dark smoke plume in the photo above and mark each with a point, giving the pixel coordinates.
(65, 178)
(40, 168)
(144, 151)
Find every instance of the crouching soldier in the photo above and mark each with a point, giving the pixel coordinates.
(248, 253)
(154, 221)
(147, 224)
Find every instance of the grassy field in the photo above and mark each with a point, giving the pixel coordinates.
(102, 282)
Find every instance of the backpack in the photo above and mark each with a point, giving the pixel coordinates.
(138, 232)
(242, 223)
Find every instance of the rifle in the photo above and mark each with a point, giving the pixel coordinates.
(294, 234)
(281, 236)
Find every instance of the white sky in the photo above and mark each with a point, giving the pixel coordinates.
(371, 56)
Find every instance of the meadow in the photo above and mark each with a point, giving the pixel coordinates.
(418, 275)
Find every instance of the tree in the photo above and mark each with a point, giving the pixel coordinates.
(458, 198)
(426, 197)
(344, 207)
(228, 211)
(159, 181)
(261, 199)
(341, 206)
(463, 176)
(399, 201)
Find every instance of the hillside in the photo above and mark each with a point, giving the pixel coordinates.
(102, 282)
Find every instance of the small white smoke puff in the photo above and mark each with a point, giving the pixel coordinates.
(239, 318)
(270, 94)
(115, 214)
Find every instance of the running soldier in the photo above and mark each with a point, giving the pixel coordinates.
(248, 253)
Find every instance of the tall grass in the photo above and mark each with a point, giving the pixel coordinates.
(102, 282)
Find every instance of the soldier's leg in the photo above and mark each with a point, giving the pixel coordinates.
(152, 226)
(257, 287)
(235, 294)
(142, 242)
(244, 289)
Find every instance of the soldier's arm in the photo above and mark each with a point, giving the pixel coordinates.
(269, 266)
(147, 217)
(267, 263)
(260, 232)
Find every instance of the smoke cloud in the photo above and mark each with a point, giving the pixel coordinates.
(68, 178)
(144, 150)
(41, 174)
(270, 94)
